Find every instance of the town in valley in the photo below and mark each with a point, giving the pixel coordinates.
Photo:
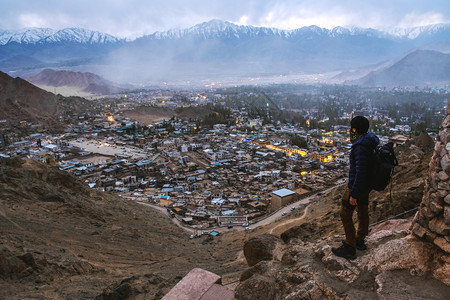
(221, 157)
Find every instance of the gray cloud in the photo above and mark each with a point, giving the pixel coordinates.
(132, 18)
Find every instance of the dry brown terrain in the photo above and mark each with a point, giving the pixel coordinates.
(78, 241)
(22, 101)
(148, 116)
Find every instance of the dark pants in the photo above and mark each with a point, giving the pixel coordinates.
(346, 214)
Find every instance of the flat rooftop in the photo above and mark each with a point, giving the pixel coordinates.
(283, 192)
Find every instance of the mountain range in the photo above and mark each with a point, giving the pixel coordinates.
(213, 50)
(48, 35)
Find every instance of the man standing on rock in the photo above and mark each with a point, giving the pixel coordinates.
(357, 193)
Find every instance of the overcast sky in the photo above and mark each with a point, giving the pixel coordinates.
(133, 18)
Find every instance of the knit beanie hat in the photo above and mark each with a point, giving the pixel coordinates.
(360, 123)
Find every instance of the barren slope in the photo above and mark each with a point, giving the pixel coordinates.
(60, 239)
(22, 101)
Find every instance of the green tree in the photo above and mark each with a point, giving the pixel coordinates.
(421, 127)
(298, 141)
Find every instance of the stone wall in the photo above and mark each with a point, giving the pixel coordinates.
(432, 221)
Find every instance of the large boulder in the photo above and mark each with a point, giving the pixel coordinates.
(407, 253)
(263, 247)
(256, 287)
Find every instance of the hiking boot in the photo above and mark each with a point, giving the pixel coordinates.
(345, 251)
(360, 245)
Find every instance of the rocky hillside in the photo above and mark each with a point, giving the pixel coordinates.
(62, 240)
(87, 82)
(22, 101)
(396, 266)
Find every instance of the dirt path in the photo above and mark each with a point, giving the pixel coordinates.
(164, 212)
(266, 221)
(287, 222)
(3, 214)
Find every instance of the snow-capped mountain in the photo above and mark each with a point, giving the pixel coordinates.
(414, 32)
(218, 29)
(214, 47)
(47, 35)
(222, 29)
(214, 29)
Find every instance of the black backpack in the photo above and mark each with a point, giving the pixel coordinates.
(382, 164)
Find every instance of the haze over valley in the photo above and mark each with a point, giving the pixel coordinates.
(229, 54)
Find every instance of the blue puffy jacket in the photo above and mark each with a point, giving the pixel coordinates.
(358, 177)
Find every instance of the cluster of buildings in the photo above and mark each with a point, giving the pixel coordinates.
(205, 178)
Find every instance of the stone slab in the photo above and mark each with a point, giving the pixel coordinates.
(218, 292)
(193, 286)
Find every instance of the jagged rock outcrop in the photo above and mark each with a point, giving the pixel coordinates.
(432, 221)
(264, 247)
(396, 265)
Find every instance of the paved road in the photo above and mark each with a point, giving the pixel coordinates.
(267, 220)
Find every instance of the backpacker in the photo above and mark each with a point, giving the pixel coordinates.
(382, 165)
